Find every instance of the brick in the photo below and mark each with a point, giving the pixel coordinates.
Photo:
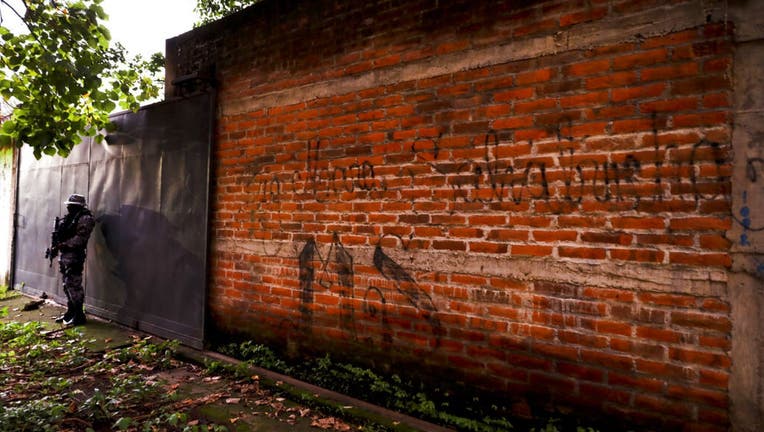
(700, 85)
(703, 358)
(555, 351)
(536, 76)
(715, 305)
(612, 238)
(531, 221)
(669, 72)
(701, 259)
(608, 360)
(648, 384)
(495, 82)
(580, 372)
(580, 221)
(640, 349)
(714, 378)
(704, 396)
(531, 250)
(673, 105)
(586, 308)
(582, 252)
(643, 58)
(643, 223)
(488, 247)
(588, 68)
(661, 405)
(488, 220)
(665, 239)
(556, 235)
(643, 92)
(465, 232)
(586, 99)
(674, 300)
(556, 87)
(585, 130)
(663, 369)
(512, 122)
(718, 100)
(449, 245)
(608, 294)
(701, 321)
(714, 242)
(535, 105)
(635, 125)
(722, 64)
(601, 397)
(671, 39)
(702, 119)
(551, 384)
(640, 255)
(584, 339)
(514, 94)
(613, 80)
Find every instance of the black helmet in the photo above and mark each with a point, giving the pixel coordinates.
(76, 199)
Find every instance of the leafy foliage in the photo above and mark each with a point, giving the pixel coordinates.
(62, 76)
(389, 391)
(5, 293)
(436, 405)
(211, 10)
(50, 382)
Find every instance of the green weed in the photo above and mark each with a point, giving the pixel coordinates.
(52, 383)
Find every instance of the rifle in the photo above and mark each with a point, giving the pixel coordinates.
(52, 251)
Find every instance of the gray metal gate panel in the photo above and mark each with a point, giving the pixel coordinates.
(148, 188)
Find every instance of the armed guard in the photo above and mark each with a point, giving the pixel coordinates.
(70, 243)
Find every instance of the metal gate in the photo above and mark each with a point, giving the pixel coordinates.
(148, 187)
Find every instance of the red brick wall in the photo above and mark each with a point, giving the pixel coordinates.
(410, 183)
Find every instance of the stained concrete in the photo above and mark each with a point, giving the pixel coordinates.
(746, 280)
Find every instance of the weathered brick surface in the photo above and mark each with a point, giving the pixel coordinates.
(342, 217)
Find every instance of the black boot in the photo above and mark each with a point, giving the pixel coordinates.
(78, 318)
(68, 315)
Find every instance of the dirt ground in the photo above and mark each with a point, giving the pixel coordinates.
(205, 398)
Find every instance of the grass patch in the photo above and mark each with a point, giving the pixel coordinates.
(6, 293)
(399, 394)
(49, 381)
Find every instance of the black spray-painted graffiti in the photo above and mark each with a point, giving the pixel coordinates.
(564, 178)
(752, 166)
(337, 270)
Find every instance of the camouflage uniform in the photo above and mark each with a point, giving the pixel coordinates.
(74, 233)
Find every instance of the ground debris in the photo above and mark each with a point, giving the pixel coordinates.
(133, 387)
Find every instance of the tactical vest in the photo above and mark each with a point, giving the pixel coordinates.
(68, 227)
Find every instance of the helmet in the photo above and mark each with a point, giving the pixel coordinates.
(76, 199)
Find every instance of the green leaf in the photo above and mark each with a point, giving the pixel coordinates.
(8, 127)
(123, 423)
(64, 77)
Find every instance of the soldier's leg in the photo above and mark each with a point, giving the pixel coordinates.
(69, 314)
(73, 283)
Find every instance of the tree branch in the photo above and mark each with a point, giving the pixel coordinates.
(21, 17)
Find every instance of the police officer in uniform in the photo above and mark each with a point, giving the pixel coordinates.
(73, 234)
